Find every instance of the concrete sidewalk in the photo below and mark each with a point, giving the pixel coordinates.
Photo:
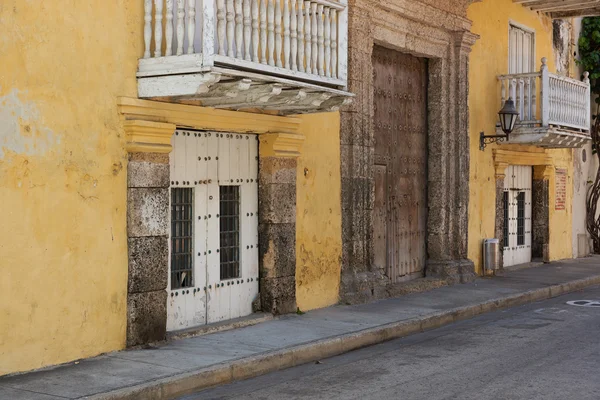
(186, 365)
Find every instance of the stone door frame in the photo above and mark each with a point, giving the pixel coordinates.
(149, 126)
(445, 40)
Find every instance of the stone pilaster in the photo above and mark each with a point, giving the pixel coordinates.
(540, 212)
(148, 229)
(447, 226)
(277, 221)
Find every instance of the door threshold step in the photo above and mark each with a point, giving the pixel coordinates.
(252, 319)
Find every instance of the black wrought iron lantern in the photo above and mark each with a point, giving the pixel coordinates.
(508, 118)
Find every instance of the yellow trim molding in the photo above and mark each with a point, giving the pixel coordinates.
(504, 158)
(280, 145)
(206, 118)
(148, 136)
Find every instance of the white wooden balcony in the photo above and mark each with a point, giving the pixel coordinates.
(288, 56)
(554, 111)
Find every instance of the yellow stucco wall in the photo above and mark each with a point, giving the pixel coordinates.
(489, 59)
(318, 222)
(63, 244)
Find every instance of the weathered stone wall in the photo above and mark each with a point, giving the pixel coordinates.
(442, 35)
(540, 216)
(148, 233)
(562, 45)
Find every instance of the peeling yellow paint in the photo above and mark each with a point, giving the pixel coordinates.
(63, 242)
(489, 59)
(318, 213)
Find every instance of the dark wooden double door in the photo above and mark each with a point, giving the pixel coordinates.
(400, 210)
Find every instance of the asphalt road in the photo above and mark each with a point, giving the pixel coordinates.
(545, 350)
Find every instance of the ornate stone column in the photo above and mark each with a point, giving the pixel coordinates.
(359, 281)
(278, 153)
(148, 145)
(447, 244)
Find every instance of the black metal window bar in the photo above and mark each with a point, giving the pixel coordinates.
(229, 230)
(521, 219)
(182, 234)
(506, 220)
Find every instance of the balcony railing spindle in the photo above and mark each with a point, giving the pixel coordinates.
(278, 31)
(158, 16)
(263, 31)
(230, 15)
(255, 33)
(314, 38)
(294, 36)
(239, 30)
(180, 26)
(301, 36)
(271, 34)
(221, 26)
(334, 43)
(247, 30)
(147, 27)
(327, 38)
(191, 25)
(308, 36)
(321, 40)
(169, 28)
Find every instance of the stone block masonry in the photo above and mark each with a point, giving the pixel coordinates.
(148, 236)
(277, 232)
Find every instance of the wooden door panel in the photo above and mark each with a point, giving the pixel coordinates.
(400, 121)
(380, 217)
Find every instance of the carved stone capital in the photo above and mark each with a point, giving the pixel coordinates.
(500, 169)
(148, 136)
(284, 145)
(464, 41)
(543, 172)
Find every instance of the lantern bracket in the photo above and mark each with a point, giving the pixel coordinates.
(484, 139)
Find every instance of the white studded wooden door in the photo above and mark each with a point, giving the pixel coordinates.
(517, 215)
(214, 228)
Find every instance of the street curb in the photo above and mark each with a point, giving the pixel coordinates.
(249, 367)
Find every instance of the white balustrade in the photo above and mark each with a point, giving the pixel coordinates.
(297, 38)
(564, 102)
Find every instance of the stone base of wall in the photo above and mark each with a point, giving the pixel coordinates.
(146, 317)
(362, 287)
(455, 271)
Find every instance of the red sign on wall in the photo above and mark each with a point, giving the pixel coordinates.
(561, 189)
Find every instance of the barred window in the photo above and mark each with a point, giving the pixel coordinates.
(182, 219)
(506, 220)
(521, 219)
(229, 230)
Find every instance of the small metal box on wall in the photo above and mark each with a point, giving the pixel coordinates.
(491, 256)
